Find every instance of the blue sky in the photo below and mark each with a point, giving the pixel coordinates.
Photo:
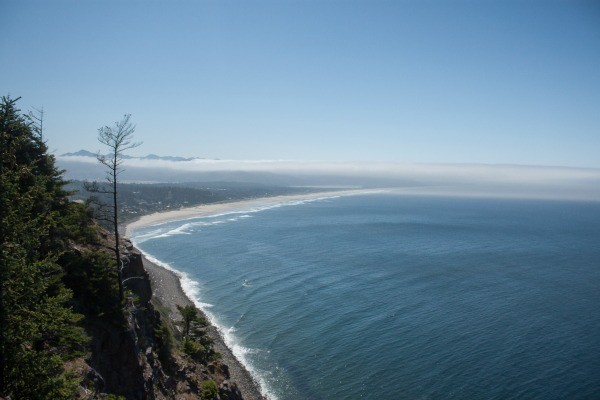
(499, 82)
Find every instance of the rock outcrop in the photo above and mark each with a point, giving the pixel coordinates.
(126, 358)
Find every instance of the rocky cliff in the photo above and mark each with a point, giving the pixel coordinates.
(135, 359)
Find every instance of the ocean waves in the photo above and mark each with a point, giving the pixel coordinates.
(186, 228)
(189, 225)
(384, 296)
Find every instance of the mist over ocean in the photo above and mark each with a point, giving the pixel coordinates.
(384, 296)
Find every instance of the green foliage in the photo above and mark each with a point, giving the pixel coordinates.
(194, 350)
(92, 278)
(40, 377)
(202, 338)
(40, 333)
(164, 342)
(209, 390)
(38, 329)
(215, 356)
(196, 343)
(78, 225)
(189, 315)
(113, 397)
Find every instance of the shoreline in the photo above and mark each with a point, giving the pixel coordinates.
(167, 285)
(167, 291)
(205, 210)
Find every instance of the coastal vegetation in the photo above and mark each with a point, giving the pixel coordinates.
(65, 331)
(39, 330)
(195, 342)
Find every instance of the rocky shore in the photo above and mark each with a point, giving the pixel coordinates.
(167, 292)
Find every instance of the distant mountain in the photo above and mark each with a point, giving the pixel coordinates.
(85, 153)
(80, 153)
(168, 158)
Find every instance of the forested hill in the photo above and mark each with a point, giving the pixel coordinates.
(64, 331)
(39, 329)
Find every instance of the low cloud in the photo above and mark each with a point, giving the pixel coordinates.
(465, 179)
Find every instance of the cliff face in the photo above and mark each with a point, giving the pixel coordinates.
(126, 359)
(123, 355)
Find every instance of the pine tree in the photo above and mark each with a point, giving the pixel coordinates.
(38, 331)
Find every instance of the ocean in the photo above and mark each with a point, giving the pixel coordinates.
(384, 296)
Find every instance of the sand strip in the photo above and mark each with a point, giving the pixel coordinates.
(217, 208)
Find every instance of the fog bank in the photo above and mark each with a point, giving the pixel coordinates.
(434, 179)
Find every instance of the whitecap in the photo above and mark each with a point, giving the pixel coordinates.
(239, 351)
(191, 288)
(244, 214)
(182, 230)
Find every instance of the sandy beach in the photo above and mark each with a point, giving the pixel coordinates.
(166, 285)
(216, 208)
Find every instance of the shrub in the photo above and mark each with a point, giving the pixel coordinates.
(194, 350)
(164, 342)
(209, 390)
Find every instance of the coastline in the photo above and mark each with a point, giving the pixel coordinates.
(206, 210)
(166, 283)
(167, 291)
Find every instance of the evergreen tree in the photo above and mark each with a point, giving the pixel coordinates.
(189, 315)
(38, 331)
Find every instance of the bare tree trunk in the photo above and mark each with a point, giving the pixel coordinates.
(118, 139)
(116, 224)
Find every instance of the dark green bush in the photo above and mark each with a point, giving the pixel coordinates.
(209, 390)
(92, 278)
(195, 350)
(164, 342)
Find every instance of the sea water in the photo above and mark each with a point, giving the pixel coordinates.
(385, 296)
